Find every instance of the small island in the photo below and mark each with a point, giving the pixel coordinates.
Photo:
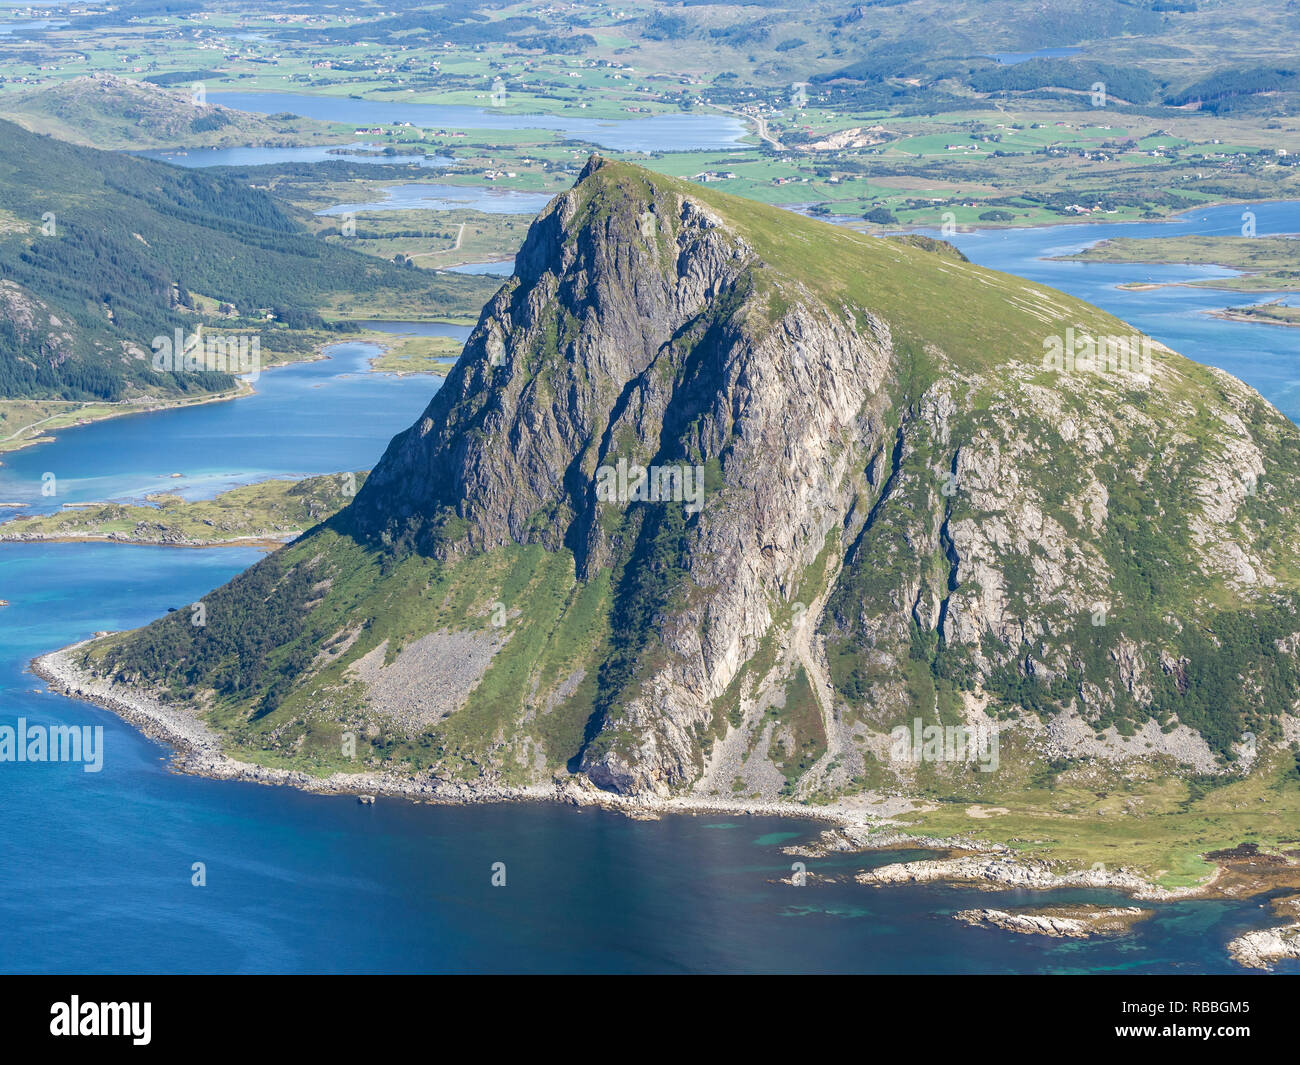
(417, 354)
(1059, 922)
(271, 512)
(1274, 312)
(1267, 264)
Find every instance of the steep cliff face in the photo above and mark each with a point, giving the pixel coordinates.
(641, 330)
(728, 495)
(605, 282)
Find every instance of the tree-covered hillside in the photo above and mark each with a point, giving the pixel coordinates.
(100, 252)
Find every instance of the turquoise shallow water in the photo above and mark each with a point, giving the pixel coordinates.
(95, 868)
(305, 419)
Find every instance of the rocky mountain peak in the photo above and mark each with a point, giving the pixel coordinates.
(745, 494)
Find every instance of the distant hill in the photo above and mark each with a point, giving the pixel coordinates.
(105, 111)
(100, 252)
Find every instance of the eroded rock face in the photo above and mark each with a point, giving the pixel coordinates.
(675, 356)
(579, 344)
(51, 339)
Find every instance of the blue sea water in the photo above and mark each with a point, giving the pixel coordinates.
(21, 29)
(655, 133)
(430, 197)
(1266, 357)
(500, 268)
(260, 156)
(96, 868)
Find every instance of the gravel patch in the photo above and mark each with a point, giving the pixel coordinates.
(430, 679)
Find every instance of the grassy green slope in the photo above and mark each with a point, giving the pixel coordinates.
(265, 627)
(114, 112)
(266, 510)
(976, 316)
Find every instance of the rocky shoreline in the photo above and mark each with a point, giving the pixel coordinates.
(136, 541)
(1062, 922)
(1266, 947)
(198, 750)
(977, 863)
(1003, 869)
(853, 826)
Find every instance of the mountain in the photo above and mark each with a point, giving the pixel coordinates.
(100, 252)
(106, 111)
(893, 486)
